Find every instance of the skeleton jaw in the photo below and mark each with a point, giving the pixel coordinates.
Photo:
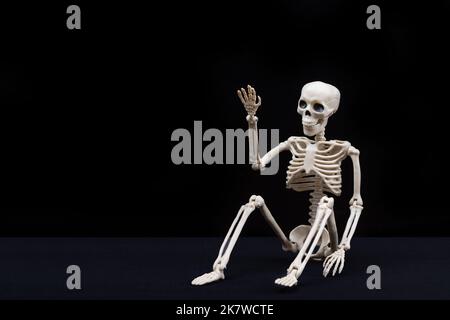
(313, 127)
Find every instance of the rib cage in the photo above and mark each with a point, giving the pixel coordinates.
(317, 169)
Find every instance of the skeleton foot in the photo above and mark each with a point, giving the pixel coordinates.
(335, 259)
(209, 277)
(287, 281)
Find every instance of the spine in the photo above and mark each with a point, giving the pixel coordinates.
(314, 199)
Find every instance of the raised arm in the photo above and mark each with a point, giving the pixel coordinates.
(248, 99)
(251, 104)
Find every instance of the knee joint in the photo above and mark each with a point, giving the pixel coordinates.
(258, 201)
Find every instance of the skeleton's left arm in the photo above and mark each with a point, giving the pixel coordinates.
(337, 258)
(356, 203)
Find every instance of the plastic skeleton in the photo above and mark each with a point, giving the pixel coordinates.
(315, 167)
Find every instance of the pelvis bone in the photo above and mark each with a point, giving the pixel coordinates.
(298, 236)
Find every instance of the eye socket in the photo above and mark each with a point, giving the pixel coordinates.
(302, 104)
(318, 107)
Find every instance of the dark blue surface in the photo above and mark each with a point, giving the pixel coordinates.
(162, 268)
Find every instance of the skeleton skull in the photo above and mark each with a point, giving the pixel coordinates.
(318, 101)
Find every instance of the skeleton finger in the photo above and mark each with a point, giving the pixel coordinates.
(250, 92)
(336, 265)
(330, 261)
(325, 271)
(325, 263)
(259, 102)
(342, 265)
(326, 260)
(244, 94)
(253, 94)
(240, 96)
(329, 265)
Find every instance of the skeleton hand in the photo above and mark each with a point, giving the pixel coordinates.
(248, 99)
(337, 259)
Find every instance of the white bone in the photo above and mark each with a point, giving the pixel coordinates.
(253, 139)
(232, 236)
(314, 94)
(337, 258)
(296, 268)
(315, 167)
(298, 236)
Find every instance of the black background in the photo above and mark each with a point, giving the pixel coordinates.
(86, 116)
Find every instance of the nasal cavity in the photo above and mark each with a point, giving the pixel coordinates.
(307, 113)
